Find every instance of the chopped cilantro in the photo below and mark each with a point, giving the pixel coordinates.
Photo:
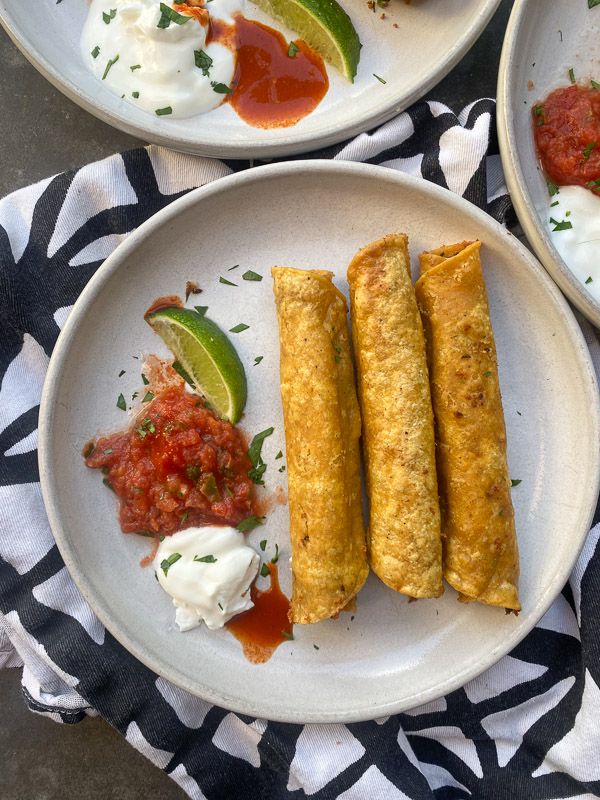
(571, 74)
(109, 64)
(258, 359)
(133, 67)
(552, 188)
(121, 373)
(135, 95)
(564, 225)
(250, 523)
(206, 559)
(288, 635)
(226, 282)
(147, 397)
(168, 562)
(111, 15)
(162, 112)
(203, 61)
(220, 88)
(249, 275)
(201, 310)
(381, 80)
(587, 150)
(96, 52)
(263, 544)
(145, 380)
(595, 84)
(254, 454)
(292, 50)
(239, 328)
(279, 455)
(515, 482)
(108, 484)
(265, 571)
(121, 403)
(169, 15)
(589, 279)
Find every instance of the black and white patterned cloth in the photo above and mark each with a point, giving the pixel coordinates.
(527, 728)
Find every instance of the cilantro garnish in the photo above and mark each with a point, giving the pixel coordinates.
(109, 64)
(251, 276)
(206, 559)
(381, 80)
(121, 403)
(168, 562)
(220, 88)
(111, 15)
(169, 15)
(239, 328)
(203, 61)
(292, 50)
(250, 523)
(162, 112)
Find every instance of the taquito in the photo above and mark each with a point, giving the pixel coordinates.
(480, 546)
(404, 539)
(322, 431)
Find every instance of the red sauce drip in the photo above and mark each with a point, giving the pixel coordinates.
(168, 301)
(271, 89)
(567, 135)
(263, 628)
(198, 12)
(178, 466)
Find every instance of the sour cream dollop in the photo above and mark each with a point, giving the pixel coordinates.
(579, 244)
(207, 572)
(156, 68)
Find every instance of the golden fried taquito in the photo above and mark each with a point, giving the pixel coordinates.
(405, 548)
(322, 429)
(480, 547)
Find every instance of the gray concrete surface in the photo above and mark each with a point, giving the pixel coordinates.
(43, 133)
(40, 760)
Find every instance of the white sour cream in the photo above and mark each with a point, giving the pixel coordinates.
(164, 74)
(579, 246)
(212, 590)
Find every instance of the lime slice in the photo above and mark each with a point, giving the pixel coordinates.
(207, 355)
(324, 25)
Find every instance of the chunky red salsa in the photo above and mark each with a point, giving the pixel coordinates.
(178, 466)
(567, 135)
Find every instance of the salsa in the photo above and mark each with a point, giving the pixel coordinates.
(178, 466)
(567, 135)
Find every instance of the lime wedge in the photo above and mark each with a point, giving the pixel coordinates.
(324, 25)
(207, 355)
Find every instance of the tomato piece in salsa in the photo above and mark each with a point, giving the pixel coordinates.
(567, 135)
(178, 466)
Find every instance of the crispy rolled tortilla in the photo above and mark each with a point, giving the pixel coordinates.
(480, 547)
(405, 548)
(322, 429)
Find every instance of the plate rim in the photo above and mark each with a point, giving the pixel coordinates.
(60, 353)
(515, 180)
(286, 145)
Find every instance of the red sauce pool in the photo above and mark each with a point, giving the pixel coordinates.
(270, 88)
(178, 466)
(567, 135)
(263, 628)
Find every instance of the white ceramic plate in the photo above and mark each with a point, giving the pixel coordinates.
(431, 38)
(543, 40)
(392, 655)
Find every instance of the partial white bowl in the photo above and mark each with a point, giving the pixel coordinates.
(431, 37)
(390, 655)
(543, 40)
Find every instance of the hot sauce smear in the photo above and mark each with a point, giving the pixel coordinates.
(178, 466)
(276, 83)
(263, 628)
(567, 135)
